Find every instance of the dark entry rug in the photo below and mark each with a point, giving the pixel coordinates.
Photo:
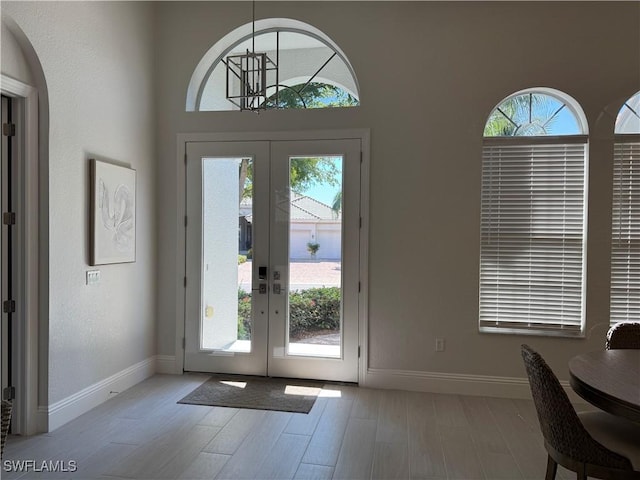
(259, 393)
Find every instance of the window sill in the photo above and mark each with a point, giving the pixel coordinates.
(533, 332)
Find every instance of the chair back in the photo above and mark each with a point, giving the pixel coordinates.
(623, 335)
(561, 427)
(5, 421)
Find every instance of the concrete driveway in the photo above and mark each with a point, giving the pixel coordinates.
(304, 274)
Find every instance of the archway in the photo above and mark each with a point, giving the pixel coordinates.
(23, 81)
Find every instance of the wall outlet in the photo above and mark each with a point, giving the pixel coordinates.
(93, 277)
(439, 344)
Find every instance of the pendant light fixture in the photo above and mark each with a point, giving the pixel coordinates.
(247, 74)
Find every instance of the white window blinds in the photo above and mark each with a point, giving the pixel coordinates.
(625, 230)
(532, 252)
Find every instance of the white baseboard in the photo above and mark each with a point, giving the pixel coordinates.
(67, 409)
(166, 364)
(452, 383)
(59, 413)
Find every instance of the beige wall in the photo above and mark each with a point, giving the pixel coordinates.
(97, 60)
(430, 73)
(14, 63)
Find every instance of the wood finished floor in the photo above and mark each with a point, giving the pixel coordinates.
(354, 433)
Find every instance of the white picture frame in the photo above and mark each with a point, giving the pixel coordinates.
(113, 213)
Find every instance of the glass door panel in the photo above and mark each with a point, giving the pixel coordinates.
(315, 258)
(314, 252)
(226, 319)
(226, 315)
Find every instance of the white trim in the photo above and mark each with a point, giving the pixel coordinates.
(28, 267)
(15, 88)
(181, 267)
(183, 138)
(166, 364)
(455, 383)
(292, 135)
(65, 410)
(547, 140)
(363, 307)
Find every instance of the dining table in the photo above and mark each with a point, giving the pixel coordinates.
(609, 379)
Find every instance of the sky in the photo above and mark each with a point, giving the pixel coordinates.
(322, 193)
(325, 193)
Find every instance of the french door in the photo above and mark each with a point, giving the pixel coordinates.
(272, 258)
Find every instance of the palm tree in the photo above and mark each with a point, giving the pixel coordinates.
(336, 204)
(311, 95)
(523, 115)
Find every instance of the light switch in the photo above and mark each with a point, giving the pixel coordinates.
(93, 277)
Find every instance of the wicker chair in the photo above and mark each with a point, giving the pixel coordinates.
(566, 439)
(623, 335)
(4, 424)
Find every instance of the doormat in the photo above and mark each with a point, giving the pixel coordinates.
(260, 393)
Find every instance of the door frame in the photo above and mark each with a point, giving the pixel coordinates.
(182, 139)
(26, 265)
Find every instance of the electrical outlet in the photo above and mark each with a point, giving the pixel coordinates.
(93, 277)
(439, 344)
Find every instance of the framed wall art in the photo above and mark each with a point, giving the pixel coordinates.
(113, 213)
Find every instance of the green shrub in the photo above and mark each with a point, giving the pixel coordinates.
(309, 310)
(244, 315)
(314, 309)
(242, 259)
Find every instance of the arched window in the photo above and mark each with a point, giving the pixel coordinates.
(533, 215)
(625, 221)
(628, 119)
(535, 113)
(312, 71)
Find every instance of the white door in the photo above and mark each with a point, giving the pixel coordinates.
(256, 309)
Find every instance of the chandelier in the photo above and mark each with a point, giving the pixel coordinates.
(247, 74)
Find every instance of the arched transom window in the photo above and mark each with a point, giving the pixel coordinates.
(625, 215)
(628, 119)
(312, 71)
(535, 113)
(533, 215)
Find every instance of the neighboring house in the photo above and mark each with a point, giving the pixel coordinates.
(311, 221)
